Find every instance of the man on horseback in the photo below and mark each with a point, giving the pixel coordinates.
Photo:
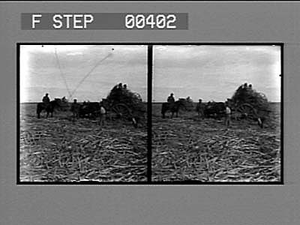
(171, 98)
(46, 105)
(172, 106)
(46, 100)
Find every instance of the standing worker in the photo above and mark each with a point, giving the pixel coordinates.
(75, 108)
(102, 114)
(200, 109)
(227, 114)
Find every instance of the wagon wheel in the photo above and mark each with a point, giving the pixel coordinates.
(247, 111)
(121, 110)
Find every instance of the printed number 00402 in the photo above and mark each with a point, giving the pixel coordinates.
(159, 21)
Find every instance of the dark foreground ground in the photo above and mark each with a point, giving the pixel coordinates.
(188, 148)
(60, 150)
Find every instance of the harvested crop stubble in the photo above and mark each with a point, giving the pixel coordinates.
(205, 151)
(56, 149)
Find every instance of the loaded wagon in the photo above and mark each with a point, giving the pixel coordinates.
(246, 103)
(121, 103)
(249, 104)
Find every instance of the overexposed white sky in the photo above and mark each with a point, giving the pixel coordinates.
(89, 72)
(214, 72)
(84, 72)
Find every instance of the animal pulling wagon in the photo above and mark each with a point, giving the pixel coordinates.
(241, 110)
(188, 104)
(63, 104)
(213, 109)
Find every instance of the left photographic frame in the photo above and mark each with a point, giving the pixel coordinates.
(82, 113)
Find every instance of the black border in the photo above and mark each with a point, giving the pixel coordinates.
(149, 114)
(149, 109)
(164, 1)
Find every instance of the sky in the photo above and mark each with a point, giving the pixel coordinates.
(89, 72)
(84, 72)
(214, 72)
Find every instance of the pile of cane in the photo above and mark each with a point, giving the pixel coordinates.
(246, 94)
(59, 150)
(121, 94)
(206, 151)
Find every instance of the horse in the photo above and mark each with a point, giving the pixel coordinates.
(89, 109)
(214, 110)
(49, 108)
(172, 107)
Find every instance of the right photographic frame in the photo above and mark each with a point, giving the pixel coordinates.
(217, 113)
